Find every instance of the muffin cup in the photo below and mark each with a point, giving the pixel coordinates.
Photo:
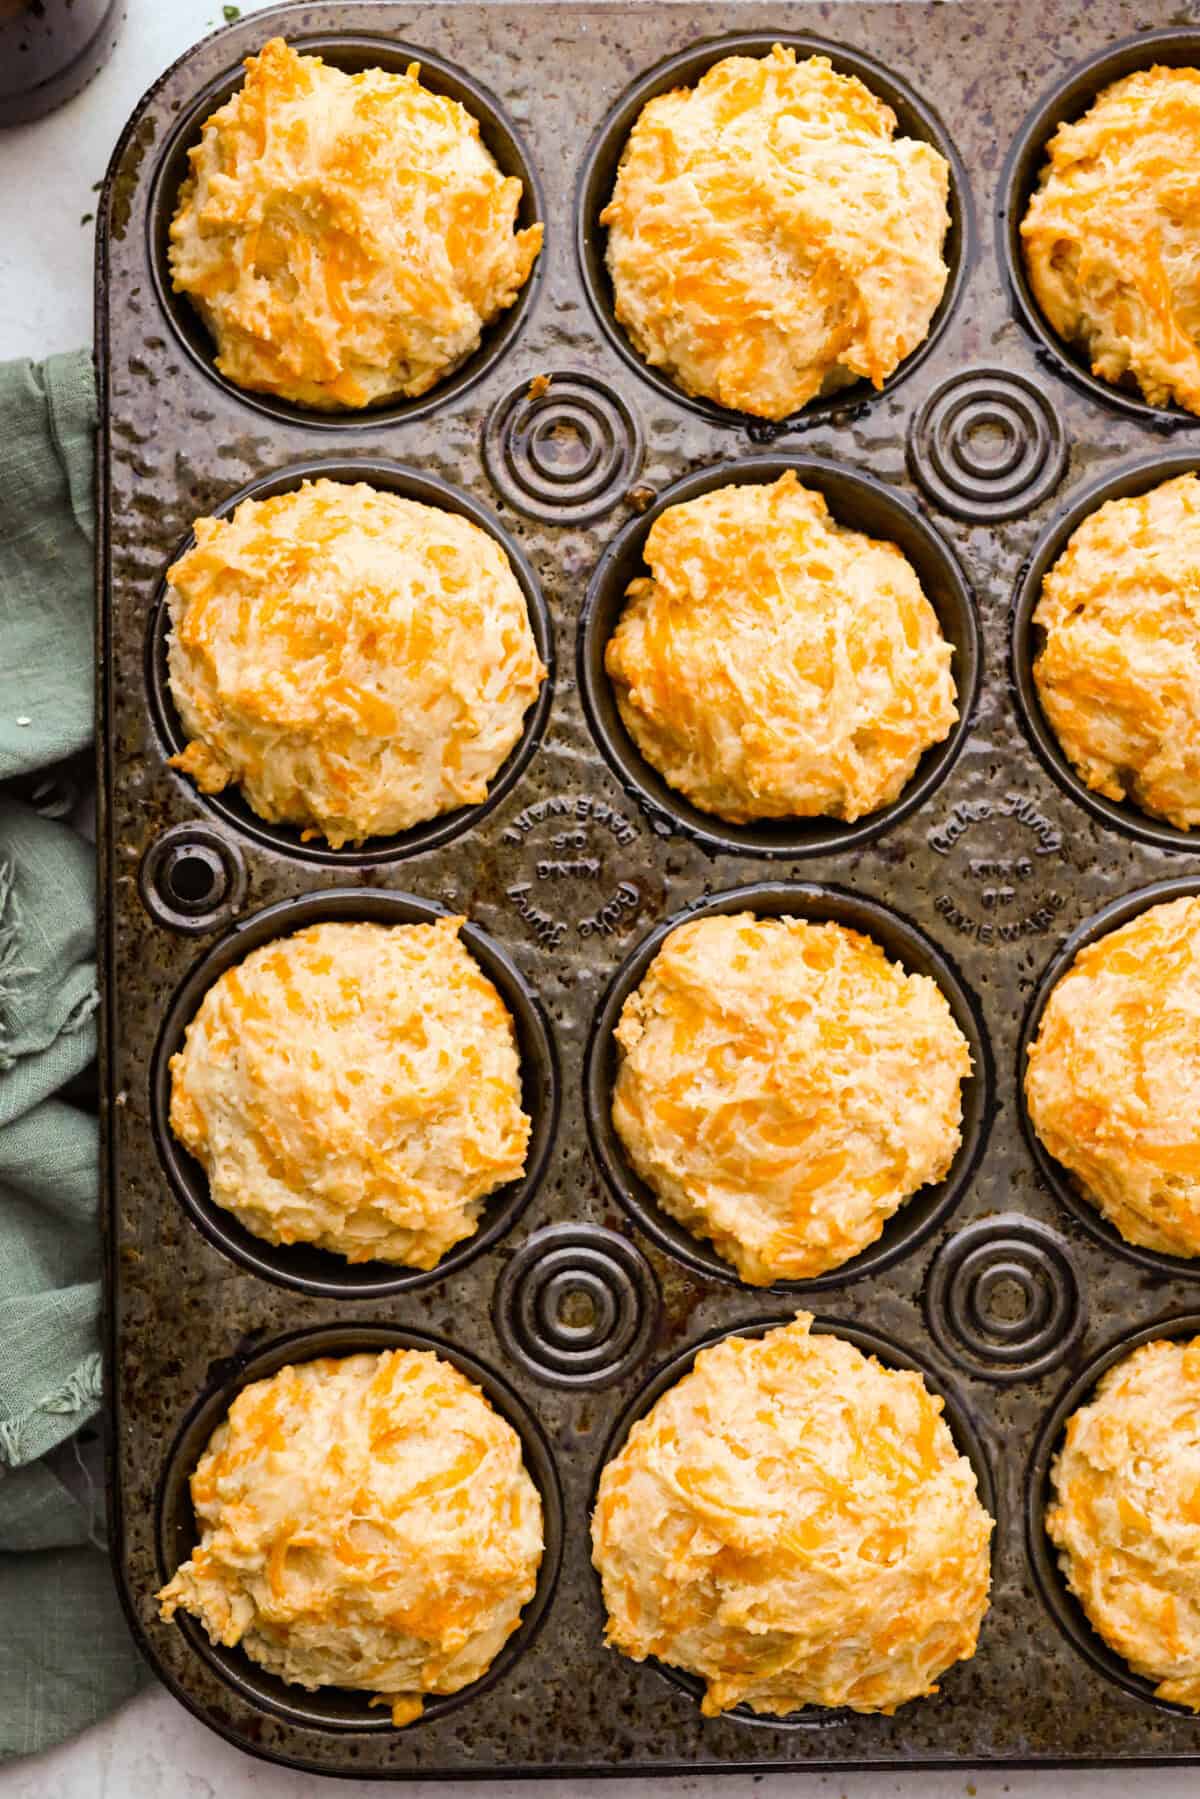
(341, 1708)
(1049, 1578)
(599, 172)
(918, 1216)
(230, 805)
(351, 51)
(300, 1265)
(1055, 1176)
(1069, 99)
(1122, 815)
(855, 500)
(967, 1440)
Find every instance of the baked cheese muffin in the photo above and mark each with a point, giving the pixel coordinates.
(1112, 235)
(1126, 1514)
(365, 1522)
(345, 238)
(792, 1523)
(1118, 673)
(356, 1087)
(782, 1088)
(356, 662)
(771, 239)
(776, 664)
(1113, 1079)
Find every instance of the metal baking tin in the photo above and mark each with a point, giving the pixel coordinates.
(1000, 1285)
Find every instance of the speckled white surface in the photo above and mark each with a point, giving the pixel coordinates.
(153, 1749)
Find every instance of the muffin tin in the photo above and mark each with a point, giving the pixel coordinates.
(578, 1299)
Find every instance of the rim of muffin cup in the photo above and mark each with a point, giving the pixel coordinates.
(176, 1531)
(1062, 1605)
(351, 51)
(856, 500)
(1122, 482)
(892, 1353)
(301, 1266)
(230, 805)
(1109, 918)
(915, 118)
(921, 1214)
(1068, 99)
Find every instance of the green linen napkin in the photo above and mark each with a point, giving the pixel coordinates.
(66, 1657)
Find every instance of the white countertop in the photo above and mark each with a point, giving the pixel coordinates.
(153, 1749)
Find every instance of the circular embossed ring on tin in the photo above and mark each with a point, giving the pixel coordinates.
(1060, 1602)
(920, 1215)
(576, 1305)
(1002, 1298)
(1055, 1176)
(300, 1265)
(857, 501)
(891, 1354)
(1130, 479)
(1067, 101)
(564, 448)
(229, 805)
(352, 52)
(340, 1708)
(915, 119)
(986, 446)
(192, 879)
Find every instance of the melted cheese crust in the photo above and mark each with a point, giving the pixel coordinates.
(345, 237)
(367, 1523)
(792, 1523)
(1126, 1514)
(355, 661)
(769, 238)
(357, 1087)
(775, 664)
(1112, 235)
(1119, 672)
(1113, 1080)
(783, 1088)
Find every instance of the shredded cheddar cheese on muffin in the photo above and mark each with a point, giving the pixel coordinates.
(770, 238)
(345, 238)
(782, 1088)
(356, 1087)
(1126, 1514)
(364, 1523)
(792, 1523)
(356, 662)
(1113, 1079)
(776, 664)
(1118, 673)
(1112, 235)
